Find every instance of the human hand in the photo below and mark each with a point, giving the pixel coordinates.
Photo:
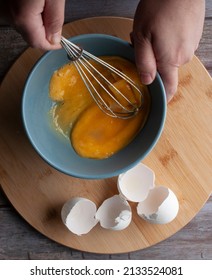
(165, 35)
(39, 21)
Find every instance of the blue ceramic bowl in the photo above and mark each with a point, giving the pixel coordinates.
(58, 151)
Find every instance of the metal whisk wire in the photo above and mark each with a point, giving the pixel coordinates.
(82, 61)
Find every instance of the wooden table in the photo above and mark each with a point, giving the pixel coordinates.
(18, 240)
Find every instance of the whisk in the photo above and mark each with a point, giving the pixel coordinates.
(110, 99)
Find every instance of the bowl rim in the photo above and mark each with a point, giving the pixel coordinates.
(80, 174)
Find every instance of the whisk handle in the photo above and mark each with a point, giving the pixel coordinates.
(73, 51)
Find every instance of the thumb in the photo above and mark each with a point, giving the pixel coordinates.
(145, 60)
(169, 76)
(53, 18)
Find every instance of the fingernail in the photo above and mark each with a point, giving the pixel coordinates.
(55, 38)
(146, 78)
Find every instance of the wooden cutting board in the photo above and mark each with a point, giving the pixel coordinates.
(182, 159)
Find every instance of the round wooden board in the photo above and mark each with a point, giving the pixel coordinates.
(182, 159)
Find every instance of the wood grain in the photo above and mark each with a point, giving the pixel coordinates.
(12, 44)
(18, 240)
(75, 9)
(180, 160)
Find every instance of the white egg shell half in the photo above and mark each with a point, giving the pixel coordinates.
(114, 213)
(78, 215)
(135, 184)
(160, 207)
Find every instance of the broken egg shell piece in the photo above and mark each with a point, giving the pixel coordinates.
(160, 207)
(114, 213)
(135, 184)
(78, 215)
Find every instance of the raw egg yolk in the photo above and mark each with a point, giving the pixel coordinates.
(94, 134)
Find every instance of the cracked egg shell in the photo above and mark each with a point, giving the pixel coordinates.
(114, 213)
(135, 184)
(160, 207)
(78, 215)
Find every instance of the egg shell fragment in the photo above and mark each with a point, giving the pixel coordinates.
(114, 213)
(160, 207)
(78, 215)
(135, 184)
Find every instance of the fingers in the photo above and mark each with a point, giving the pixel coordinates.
(39, 21)
(147, 66)
(145, 59)
(33, 32)
(165, 35)
(53, 18)
(169, 76)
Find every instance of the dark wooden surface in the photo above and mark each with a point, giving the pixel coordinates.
(18, 240)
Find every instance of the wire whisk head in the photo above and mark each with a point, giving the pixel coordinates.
(114, 92)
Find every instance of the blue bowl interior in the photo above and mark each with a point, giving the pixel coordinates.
(58, 151)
